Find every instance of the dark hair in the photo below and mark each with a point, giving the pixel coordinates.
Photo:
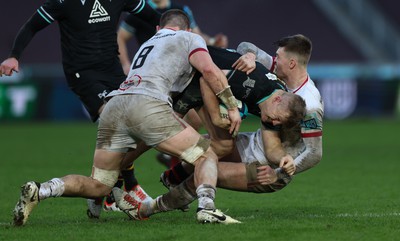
(297, 44)
(175, 17)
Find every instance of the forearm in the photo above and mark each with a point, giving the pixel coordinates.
(311, 156)
(261, 56)
(26, 33)
(210, 100)
(273, 148)
(217, 81)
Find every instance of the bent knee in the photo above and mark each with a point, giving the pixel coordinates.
(196, 151)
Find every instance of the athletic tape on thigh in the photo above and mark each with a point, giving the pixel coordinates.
(194, 152)
(107, 177)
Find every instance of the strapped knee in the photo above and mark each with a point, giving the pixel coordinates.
(193, 153)
(106, 177)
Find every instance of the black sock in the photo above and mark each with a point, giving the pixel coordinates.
(176, 174)
(129, 178)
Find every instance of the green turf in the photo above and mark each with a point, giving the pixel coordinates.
(352, 194)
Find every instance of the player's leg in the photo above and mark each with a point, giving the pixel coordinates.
(157, 125)
(92, 86)
(193, 148)
(229, 177)
(193, 119)
(113, 137)
(104, 175)
(133, 185)
(184, 106)
(176, 198)
(221, 142)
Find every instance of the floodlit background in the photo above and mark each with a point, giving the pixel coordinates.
(355, 60)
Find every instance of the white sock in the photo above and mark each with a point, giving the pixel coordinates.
(206, 196)
(53, 188)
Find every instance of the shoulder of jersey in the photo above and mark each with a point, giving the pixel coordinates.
(275, 78)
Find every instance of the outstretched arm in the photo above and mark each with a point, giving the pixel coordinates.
(24, 36)
(311, 156)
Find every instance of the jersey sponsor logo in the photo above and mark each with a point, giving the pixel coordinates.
(275, 78)
(271, 76)
(182, 106)
(98, 14)
(311, 122)
(102, 95)
(133, 80)
(249, 83)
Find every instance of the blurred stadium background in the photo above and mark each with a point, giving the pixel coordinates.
(355, 61)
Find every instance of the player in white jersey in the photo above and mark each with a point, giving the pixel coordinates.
(290, 64)
(136, 115)
(247, 168)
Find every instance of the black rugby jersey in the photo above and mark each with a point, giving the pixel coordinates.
(250, 89)
(87, 27)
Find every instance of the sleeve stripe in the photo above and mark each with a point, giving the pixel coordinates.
(266, 97)
(45, 15)
(313, 134)
(273, 64)
(127, 27)
(197, 50)
(139, 7)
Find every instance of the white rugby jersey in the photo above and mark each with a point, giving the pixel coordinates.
(250, 145)
(311, 125)
(161, 65)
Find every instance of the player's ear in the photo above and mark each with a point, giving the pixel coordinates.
(292, 63)
(158, 28)
(278, 98)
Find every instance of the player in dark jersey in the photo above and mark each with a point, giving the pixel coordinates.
(88, 43)
(252, 89)
(89, 48)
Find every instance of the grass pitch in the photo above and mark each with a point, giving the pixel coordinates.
(353, 194)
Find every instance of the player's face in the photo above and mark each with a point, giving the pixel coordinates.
(276, 112)
(282, 63)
